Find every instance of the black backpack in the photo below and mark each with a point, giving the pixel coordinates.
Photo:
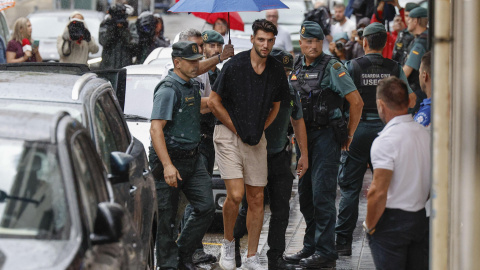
(321, 16)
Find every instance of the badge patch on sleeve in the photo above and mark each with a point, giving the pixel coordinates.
(342, 74)
(337, 65)
(294, 78)
(415, 52)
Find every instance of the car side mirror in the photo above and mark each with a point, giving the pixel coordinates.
(108, 226)
(120, 167)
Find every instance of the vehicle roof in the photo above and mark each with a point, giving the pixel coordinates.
(66, 13)
(38, 86)
(31, 126)
(145, 70)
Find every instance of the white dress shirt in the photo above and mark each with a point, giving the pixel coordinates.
(403, 147)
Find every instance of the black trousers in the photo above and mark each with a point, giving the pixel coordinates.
(279, 191)
(400, 240)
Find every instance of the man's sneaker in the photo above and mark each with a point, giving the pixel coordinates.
(252, 263)
(344, 250)
(238, 256)
(201, 257)
(227, 255)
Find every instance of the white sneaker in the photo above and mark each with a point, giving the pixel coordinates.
(227, 255)
(252, 263)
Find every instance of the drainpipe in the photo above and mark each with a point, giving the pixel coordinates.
(440, 218)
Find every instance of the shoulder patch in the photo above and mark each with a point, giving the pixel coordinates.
(337, 65)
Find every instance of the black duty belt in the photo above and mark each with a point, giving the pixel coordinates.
(316, 128)
(182, 154)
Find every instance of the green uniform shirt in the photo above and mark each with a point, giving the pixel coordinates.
(403, 77)
(183, 125)
(336, 79)
(276, 133)
(415, 55)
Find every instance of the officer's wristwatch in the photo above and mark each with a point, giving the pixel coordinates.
(367, 230)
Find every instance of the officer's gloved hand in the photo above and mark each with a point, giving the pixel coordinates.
(227, 52)
(87, 36)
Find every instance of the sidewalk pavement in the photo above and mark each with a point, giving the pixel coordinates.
(361, 256)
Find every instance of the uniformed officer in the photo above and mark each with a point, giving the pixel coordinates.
(366, 72)
(280, 178)
(175, 133)
(404, 41)
(323, 84)
(417, 25)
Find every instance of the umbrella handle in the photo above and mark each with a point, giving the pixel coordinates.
(229, 40)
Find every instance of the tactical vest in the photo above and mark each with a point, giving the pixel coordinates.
(402, 46)
(317, 103)
(413, 79)
(185, 125)
(368, 71)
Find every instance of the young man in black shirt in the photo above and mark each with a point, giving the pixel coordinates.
(245, 99)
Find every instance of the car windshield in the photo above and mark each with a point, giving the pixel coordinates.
(32, 195)
(50, 27)
(139, 96)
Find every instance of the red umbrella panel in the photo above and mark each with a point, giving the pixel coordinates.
(236, 22)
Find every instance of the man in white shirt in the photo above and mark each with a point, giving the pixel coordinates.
(282, 40)
(343, 24)
(396, 224)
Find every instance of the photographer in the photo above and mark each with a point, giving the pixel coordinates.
(76, 42)
(337, 46)
(116, 39)
(145, 31)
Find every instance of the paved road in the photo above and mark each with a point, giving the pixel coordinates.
(361, 256)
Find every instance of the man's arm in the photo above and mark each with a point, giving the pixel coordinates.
(217, 108)
(356, 107)
(377, 196)
(407, 70)
(207, 64)
(204, 106)
(301, 136)
(170, 173)
(272, 114)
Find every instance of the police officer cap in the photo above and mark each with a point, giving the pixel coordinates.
(212, 36)
(283, 57)
(187, 50)
(410, 6)
(374, 28)
(418, 12)
(311, 30)
(340, 35)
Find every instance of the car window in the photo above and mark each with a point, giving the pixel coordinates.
(33, 201)
(89, 177)
(115, 121)
(3, 28)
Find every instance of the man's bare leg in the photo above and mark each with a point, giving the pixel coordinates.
(235, 191)
(254, 217)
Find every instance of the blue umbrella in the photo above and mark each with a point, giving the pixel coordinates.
(215, 6)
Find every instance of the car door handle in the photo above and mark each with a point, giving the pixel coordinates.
(146, 172)
(133, 189)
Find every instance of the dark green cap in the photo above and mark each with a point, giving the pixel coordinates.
(410, 6)
(418, 12)
(311, 29)
(283, 57)
(187, 50)
(374, 28)
(212, 36)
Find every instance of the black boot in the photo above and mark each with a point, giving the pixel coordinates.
(201, 257)
(344, 249)
(295, 258)
(182, 265)
(280, 263)
(316, 261)
(238, 256)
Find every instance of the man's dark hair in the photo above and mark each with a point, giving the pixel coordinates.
(427, 62)
(264, 25)
(394, 92)
(377, 41)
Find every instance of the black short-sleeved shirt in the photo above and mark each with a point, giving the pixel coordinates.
(248, 96)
